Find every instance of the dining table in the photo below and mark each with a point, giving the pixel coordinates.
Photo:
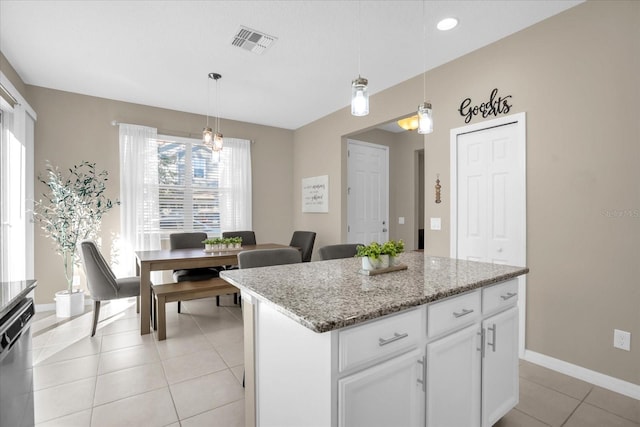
(174, 259)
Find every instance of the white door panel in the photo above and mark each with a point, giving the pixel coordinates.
(489, 196)
(368, 192)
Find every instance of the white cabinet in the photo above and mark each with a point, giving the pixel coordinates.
(453, 379)
(472, 374)
(452, 363)
(387, 394)
(500, 366)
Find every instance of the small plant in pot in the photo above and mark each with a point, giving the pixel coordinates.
(71, 212)
(370, 255)
(209, 244)
(392, 249)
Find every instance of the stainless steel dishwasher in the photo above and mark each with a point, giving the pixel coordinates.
(16, 366)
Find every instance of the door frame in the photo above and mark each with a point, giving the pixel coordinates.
(519, 119)
(385, 148)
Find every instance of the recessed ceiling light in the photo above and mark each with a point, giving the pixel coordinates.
(447, 24)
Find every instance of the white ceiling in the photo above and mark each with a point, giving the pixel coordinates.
(159, 53)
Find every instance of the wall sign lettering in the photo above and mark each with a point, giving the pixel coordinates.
(315, 194)
(494, 106)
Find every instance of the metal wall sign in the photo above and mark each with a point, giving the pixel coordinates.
(493, 107)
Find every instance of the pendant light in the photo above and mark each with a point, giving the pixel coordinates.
(359, 88)
(212, 139)
(425, 119)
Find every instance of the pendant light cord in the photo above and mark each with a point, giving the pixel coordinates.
(424, 52)
(359, 36)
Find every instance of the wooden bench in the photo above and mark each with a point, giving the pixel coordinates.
(184, 291)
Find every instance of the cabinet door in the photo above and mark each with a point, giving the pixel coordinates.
(388, 394)
(500, 366)
(453, 379)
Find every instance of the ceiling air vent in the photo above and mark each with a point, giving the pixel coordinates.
(252, 40)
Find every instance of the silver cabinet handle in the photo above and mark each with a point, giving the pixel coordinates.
(493, 333)
(481, 349)
(508, 295)
(464, 312)
(396, 336)
(423, 381)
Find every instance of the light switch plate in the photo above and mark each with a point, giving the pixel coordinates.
(436, 224)
(401, 220)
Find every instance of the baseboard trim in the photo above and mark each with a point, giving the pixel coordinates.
(52, 306)
(605, 381)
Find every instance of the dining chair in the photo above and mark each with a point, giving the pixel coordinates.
(190, 240)
(303, 240)
(248, 237)
(342, 250)
(102, 283)
(267, 257)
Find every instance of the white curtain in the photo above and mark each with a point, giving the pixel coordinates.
(235, 185)
(139, 211)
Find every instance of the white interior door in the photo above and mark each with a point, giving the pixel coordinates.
(488, 196)
(367, 192)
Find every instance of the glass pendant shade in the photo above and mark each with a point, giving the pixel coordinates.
(359, 97)
(425, 121)
(207, 135)
(217, 142)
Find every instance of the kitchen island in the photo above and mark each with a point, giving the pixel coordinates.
(328, 346)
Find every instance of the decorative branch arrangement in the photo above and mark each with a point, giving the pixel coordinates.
(72, 209)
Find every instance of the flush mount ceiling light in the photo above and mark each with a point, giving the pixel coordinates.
(409, 123)
(359, 86)
(211, 139)
(447, 24)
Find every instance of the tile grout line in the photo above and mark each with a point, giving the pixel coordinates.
(576, 408)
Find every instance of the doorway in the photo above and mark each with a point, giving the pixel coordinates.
(367, 192)
(488, 195)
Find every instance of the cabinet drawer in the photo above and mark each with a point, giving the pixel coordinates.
(453, 313)
(498, 296)
(378, 339)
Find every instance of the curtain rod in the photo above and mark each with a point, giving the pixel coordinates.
(169, 131)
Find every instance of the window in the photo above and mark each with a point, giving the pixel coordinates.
(201, 191)
(17, 124)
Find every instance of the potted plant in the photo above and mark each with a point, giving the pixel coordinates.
(70, 212)
(209, 244)
(370, 255)
(392, 249)
(236, 242)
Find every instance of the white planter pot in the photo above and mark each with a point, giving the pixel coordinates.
(384, 261)
(208, 247)
(369, 264)
(69, 305)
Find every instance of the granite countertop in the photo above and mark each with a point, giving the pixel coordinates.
(11, 293)
(328, 295)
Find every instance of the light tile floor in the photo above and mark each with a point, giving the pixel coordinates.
(194, 378)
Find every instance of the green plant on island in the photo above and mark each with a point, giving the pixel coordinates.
(372, 250)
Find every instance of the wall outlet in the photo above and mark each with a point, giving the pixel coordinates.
(436, 224)
(401, 220)
(622, 339)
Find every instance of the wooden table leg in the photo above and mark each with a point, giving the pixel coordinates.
(145, 295)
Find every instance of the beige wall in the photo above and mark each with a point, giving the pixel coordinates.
(72, 128)
(11, 74)
(575, 75)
